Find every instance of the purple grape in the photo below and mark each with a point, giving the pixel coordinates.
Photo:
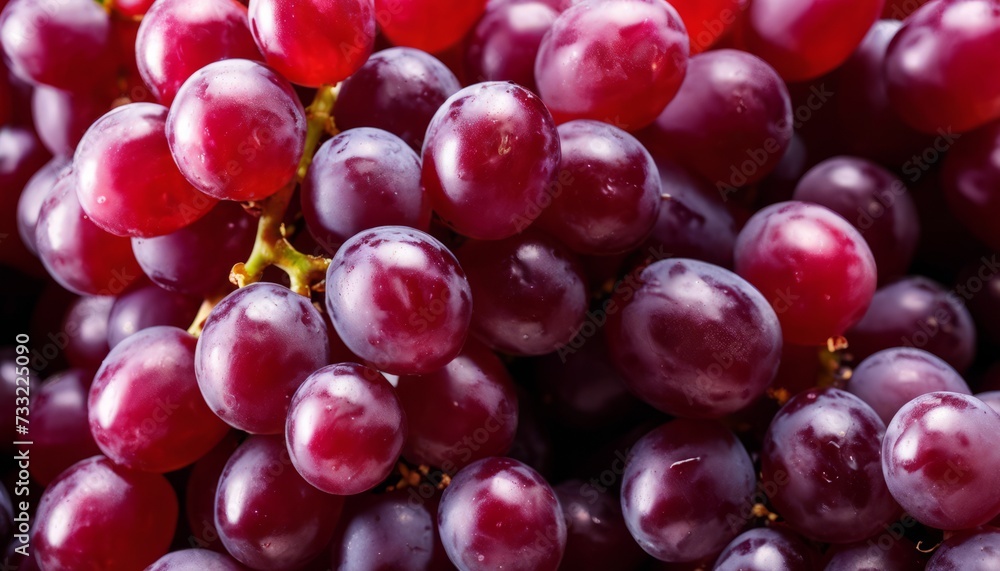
(826, 445)
(488, 179)
(893, 377)
(37, 189)
(62, 117)
(916, 312)
(397, 90)
(900, 555)
(608, 190)
(149, 306)
(977, 550)
(268, 516)
(361, 179)
(195, 560)
(693, 339)
(765, 549)
(86, 328)
(499, 513)
(399, 300)
(244, 380)
(684, 488)
(596, 535)
(59, 427)
(529, 292)
(504, 44)
(940, 463)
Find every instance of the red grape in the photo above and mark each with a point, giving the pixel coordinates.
(708, 21)
(35, 191)
(693, 339)
(460, 413)
(237, 130)
(970, 181)
(765, 549)
(146, 411)
(195, 560)
(529, 293)
(814, 268)
(179, 37)
(823, 450)
(59, 427)
(901, 555)
(132, 8)
(940, 462)
(86, 329)
(429, 25)
(113, 167)
(244, 379)
(684, 488)
(361, 179)
(505, 42)
(935, 66)
(314, 42)
(98, 516)
(608, 190)
(61, 117)
(617, 61)
(731, 121)
(399, 300)
(345, 429)
(488, 177)
(146, 307)
(977, 550)
(397, 90)
(498, 513)
(804, 39)
(268, 516)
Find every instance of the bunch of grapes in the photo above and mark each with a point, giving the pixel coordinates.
(526, 285)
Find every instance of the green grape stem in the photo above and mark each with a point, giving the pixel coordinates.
(306, 273)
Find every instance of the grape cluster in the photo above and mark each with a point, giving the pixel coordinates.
(527, 285)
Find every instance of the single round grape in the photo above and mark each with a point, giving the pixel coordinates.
(970, 177)
(147, 307)
(62, 117)
(126, 178)
(692, 339)
(893, 377)
(916, 312)
(607, 195)
(804, 40)
(397, 90)
(59, 428)
(345, 429)
(866, 120)
(707, 22)
(499, 513)
(731, 121)
(361, 179)
(314, 42)
(939, 461)
(98, 516)
(813, 267)
(396, 530)
(77, 254)
(874, 201)
(22, 155)
(465, 411)
(37, 189)
(974, 550)
(765, 549)
(529, 292)
(62, 43)
(146, 411)
(178, 37)
(258, 345)
(684, 488)
(237, 130)
(399, 300)
(900, 555)
(197, 259)
(505, 42)
(195, 560)
(619, 62)
(693, 222)
(490, 154)
(429, 25)
(86, 331)
(132, 8)
(825, 445)
(934, 67)
(268, 516)
(596, 536)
